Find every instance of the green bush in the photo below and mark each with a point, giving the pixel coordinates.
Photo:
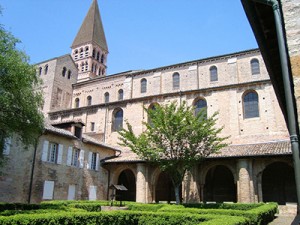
(121, 218)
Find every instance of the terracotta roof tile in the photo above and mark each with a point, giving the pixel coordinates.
(245, 150)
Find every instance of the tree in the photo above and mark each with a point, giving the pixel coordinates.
(175, 139)
(20, 98)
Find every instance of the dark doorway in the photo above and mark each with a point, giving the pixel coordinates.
(278, 183)
(164, 190)
(127, 179)
(219, 185)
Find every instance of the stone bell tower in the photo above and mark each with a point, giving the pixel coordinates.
(89, 48)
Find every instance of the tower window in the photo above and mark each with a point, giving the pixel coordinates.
(143, 85)
(77, 103)
(98, 56)
(86, 66)
(250, 105)
(176, 81)
(94, 53)
(120, 94)
(89, 100)
(46, 69)
(106, 97)
(81, 53)
(64, 71)
(213, 73)
(255, 66)
(40, 70)
(92, 126)
(69, 74)
(102, 58)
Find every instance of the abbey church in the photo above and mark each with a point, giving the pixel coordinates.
(78, 156)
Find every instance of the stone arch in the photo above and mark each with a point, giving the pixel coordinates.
(278, 183)
(127, 177)
(164, 189)
(220, 185)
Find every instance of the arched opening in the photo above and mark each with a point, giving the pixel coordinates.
(278, 183)
(219, 185)
(164, 190)
(127, 179)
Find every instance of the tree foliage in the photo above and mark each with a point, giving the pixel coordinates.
(20, 99)
(175, 139)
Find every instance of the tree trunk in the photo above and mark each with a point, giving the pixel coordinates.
(177, 193)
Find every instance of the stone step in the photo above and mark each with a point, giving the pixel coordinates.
(288, 209)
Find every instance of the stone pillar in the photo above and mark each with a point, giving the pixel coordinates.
(245, 187)
(141, 183)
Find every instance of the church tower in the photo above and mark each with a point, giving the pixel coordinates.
(89, 48)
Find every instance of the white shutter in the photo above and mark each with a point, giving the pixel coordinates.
(97, 162)
(48, 189)
(7, 144)
(60, 153)
(71, 192)
(81, 158)
(45, 151)
(90, 161)
(93, 193)
(69, 156)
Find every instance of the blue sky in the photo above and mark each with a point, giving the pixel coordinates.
(141, 34)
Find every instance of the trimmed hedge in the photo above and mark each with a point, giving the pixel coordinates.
(88, 212)
(122, 218)
(262, 214)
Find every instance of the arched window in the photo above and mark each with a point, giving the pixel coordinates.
(102, 58)
(64, 71)
(99, 71)
(82, 66)
(213, 73)
(120, 94)
(255, 66)
(151, 107)
(40, 70)
(89, 100)
(46, 69)
(98, 56)
(176, 81)
(77, 103)
(69, 74)
(250, 105)
(201, 106)
(143, 85)
(106, 97)
(117, 120)
(81, 52)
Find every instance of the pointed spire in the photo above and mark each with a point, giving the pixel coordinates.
(91, 30)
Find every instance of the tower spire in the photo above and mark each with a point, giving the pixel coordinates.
(91, 29)
(89, 48)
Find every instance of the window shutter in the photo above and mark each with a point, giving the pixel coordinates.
(7, 144)
(45, 151)
(90, 160)
(69, 157)
(60, 153)
(48, 189)
(97, 162)
(81, 158)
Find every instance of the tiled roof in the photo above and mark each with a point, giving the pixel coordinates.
(246, 150)
(258, 149)
(49, 128)
(85, 138)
